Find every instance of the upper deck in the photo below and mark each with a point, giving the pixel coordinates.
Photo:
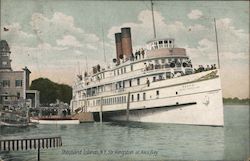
(164, 48)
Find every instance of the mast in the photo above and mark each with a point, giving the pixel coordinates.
(217, 47)
(153, 18)
(103, 46)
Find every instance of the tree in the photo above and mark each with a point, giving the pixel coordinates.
(51, 91)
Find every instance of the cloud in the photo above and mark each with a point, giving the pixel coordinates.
(195, 14)
(142, 30)
(47, 46)
(235, 56)
(232, 39)
(60, 29)
(68, 40)
(226, 25)
(67, 22)
(15, 29)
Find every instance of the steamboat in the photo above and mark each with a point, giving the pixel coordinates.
(155, 84)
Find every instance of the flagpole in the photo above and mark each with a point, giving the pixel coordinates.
(217, 47)
(103, 46)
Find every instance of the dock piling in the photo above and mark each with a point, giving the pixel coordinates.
(100, 113)
(128, 104)
(29, 144)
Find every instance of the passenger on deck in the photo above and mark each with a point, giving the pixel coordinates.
(202, 68)
(136, 55)
(148, 82)
(145, 67)
(142, 53)
(208, 68)
(139, 54)
(132, 57)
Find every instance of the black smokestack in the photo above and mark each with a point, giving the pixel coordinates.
(118, 43)
(126, 42)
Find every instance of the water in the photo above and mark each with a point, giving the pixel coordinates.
(142, 141)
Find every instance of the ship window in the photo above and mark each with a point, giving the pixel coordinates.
(170, 42)
(6, 97)
(124, 69)
(166, 41)
(131, 67)
(114, 73)
(138, 97)
(124, 99)
(138, 81)
(130, 83)
(162, 61)
(144, 96)
(154, 79)
(157, 93)
(132, 98)
(121, 70)
(118, 72)
(160, 42)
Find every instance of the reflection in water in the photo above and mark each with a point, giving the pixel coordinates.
(176, 142)
(237, 138)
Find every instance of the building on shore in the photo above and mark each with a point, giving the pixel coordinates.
(14, 85)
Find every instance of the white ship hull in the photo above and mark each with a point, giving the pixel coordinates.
(192, 99)
(192, 109)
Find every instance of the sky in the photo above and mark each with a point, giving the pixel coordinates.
(59, 39)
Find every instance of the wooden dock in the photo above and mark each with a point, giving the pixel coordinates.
(84, 117)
